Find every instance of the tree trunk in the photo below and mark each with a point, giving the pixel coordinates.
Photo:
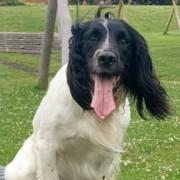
(47, 44)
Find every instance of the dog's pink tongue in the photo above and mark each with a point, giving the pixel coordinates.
(103, 101)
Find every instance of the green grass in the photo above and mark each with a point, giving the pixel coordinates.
(32, 17)
(152, 148)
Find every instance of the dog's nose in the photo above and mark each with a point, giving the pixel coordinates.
(107, 58)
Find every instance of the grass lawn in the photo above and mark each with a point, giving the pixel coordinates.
(32, 18)
(152, 148)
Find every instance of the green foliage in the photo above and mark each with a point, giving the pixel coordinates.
(73, 2)
(143, 2)
(10, 2)
(160, 2)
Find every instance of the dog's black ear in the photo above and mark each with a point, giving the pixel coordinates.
(75, 39)
(75, 28)
(143, 83)
(78, 77)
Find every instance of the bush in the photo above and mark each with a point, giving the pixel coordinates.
(146, 2)
(143, 2)
(10, 2)
(159, 2)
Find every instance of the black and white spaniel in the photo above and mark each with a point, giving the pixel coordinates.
(79, 127)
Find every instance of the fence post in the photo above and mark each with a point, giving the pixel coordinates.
(47, 44)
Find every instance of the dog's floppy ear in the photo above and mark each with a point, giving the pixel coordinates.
(75, 28)
(78, 77)
(143, 83)
(75, 39)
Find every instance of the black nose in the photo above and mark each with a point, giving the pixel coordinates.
(106, 58)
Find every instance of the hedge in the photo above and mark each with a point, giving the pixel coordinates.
(10, 2)
(143, 2)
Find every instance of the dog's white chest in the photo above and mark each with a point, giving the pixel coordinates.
(83, 160)
(90, 148)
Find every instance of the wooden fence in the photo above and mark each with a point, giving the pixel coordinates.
(25, 42)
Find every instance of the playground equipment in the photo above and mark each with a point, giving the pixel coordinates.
(174, 11)
(121, 10)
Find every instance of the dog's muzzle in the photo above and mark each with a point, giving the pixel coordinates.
(106, 58)
(106, 61)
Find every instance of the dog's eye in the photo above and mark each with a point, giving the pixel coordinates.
(123, 41)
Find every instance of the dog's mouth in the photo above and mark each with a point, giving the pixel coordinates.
(103, 101)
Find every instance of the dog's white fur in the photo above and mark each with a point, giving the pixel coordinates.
(68, 143)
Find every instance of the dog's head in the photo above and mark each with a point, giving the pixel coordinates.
(108, 54)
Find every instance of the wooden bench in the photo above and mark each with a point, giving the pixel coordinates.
(25, 42)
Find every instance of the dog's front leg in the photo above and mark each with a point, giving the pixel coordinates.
(46, 160)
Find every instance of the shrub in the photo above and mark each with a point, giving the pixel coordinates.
(10, 2)
(143, 2)
(146, 2)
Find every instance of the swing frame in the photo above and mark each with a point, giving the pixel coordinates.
(174, 11)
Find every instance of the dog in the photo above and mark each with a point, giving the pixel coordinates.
(79, 126)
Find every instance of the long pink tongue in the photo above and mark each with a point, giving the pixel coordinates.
(103, 101)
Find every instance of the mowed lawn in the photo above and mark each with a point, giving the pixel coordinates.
(152, 147)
